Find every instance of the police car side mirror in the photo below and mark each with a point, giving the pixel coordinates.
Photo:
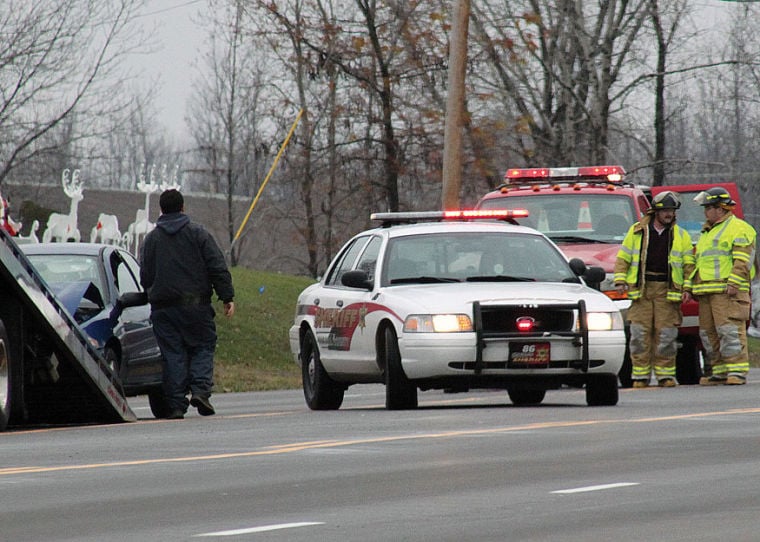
(594, 277)
(356, 279)
(578, 266)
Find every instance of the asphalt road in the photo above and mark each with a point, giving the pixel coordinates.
(665, 464)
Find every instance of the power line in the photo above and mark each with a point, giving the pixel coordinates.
(171, 8)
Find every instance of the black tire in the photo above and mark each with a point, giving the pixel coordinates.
(688, 369)
(157, 401)
(602, 390)
(5, 378)
(625, 371)
(624, 375)
(319, 390)
(525, 396)
(400, 392)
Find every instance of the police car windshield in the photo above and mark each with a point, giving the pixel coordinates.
(580, 218)
(473, 256)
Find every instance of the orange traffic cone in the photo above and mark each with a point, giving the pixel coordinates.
(584, 217)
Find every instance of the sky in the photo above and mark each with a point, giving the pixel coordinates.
(179, 39)
(179, 42)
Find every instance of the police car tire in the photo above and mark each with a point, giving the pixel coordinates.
(5, 378)
(525, 396)
(319, 390)
(688, 366)
(400, 392)
(624, 375)
(602, 390)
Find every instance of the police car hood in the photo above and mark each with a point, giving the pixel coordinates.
(436, 298)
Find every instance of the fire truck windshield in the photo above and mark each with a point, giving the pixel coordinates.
(602, 218)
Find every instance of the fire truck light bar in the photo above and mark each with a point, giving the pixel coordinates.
(610, 173)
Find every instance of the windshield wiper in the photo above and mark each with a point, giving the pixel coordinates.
(499, 278)
(575, 239)
(423, 280)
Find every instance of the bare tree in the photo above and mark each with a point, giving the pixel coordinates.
(555, 65)
(59, 58)
(223, 113)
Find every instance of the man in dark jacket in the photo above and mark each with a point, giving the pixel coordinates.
(181, 267)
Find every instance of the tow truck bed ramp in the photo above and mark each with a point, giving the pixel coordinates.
(55, 376)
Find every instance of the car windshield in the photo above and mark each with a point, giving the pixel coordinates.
(474, 256)
(573, 218)
(67, 268)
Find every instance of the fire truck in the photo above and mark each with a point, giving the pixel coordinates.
(50, 373)
(587, 211)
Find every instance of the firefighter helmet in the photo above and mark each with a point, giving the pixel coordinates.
(665, 200)
(714, 196)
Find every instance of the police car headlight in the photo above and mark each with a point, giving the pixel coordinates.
(437, 323)
(604, 321)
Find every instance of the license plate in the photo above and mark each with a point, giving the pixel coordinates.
(529, 355)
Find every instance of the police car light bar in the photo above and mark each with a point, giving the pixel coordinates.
(471, 214)
(606, 173)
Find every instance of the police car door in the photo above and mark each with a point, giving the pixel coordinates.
(346, 343)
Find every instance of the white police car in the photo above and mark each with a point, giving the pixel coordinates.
(443, 300)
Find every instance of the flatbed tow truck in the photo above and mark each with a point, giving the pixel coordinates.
(50, 374)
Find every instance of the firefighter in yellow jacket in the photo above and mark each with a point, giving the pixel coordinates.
(721, 284)
(651, 264)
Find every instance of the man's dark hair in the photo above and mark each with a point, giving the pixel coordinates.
(171, 201)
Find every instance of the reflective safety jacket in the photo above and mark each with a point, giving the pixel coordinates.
(630, 264)
(725, 255)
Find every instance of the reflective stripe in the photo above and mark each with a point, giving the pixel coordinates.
(679, 254)
(724, 254)
(625, 250)
(742, 367)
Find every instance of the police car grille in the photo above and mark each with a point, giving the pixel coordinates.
(503, 319)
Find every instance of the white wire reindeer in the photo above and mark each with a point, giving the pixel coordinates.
(63, 227)
(142, 224)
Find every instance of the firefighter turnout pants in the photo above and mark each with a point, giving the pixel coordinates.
(722, 328)
(654, 330)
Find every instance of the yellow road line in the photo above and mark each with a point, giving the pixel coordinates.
(320, 444)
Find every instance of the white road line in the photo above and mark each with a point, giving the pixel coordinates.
(595, 488)
(262, 529)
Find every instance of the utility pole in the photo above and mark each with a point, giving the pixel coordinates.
(452, 137)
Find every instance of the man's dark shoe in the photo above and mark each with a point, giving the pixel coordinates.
(175, 414)
(203, 405)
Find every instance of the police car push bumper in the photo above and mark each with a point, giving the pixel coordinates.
(436, 355)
